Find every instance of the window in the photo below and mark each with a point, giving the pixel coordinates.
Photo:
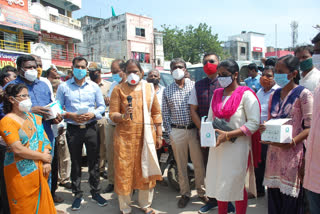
(107, 29)
(243, 51)
(140, 32)
(141, 57)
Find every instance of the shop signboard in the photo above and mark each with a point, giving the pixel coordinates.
(7, 58)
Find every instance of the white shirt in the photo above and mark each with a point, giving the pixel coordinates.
(159, 95)
(311, 80)
(193, 100)
(43, 79)
(264, 101)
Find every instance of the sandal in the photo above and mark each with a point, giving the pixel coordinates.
(149, 211)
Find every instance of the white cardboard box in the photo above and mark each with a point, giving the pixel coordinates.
(208, 134)
(54, 109)
(277, 132)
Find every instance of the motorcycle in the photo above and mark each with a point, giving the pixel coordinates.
(166, 160)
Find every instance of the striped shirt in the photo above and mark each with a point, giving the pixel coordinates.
(175, 107)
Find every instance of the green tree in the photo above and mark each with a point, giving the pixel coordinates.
(190, 43)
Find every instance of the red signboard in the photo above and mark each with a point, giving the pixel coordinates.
(19, 4)
(18, 19)
(53, 37)
(257, 49)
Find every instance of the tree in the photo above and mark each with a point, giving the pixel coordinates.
(191, 43)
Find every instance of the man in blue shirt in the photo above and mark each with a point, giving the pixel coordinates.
(84, 105)
(253, 81)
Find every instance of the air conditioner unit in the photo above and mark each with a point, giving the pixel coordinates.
(75, 22)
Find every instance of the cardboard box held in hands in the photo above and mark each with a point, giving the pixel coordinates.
(54, 109)
(277, 132)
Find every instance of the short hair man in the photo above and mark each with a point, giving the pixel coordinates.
(95, 76)
(7, 74)
(310, 75)
(182, 131)
(154, 78)
(118, 76)
(84, 105)
(253, 81)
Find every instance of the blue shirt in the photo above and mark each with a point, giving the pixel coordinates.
(264, 101)
(40, 95)
(253, 83)
(74, 98)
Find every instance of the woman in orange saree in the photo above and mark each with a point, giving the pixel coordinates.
(28, 160)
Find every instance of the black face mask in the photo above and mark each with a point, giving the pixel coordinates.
(154, 81)
(93, 76)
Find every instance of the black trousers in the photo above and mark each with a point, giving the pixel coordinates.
(259, 172)
(4, 206)
(76, 136)
(54, 170)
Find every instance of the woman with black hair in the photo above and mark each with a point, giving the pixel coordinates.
(27, 162)
(285, 195)
(230, 160)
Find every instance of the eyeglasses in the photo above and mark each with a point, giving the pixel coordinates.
(23, 96)
(211, 61)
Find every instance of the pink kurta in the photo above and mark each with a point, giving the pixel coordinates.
(282, 165)
(312, 166)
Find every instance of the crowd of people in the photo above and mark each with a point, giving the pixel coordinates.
(122, 124)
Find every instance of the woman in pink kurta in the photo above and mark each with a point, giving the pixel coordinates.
(312, 167)
(284, 160)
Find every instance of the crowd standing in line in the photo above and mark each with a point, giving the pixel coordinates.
(122, 124)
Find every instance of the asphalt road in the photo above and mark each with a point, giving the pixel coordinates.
(165, 201)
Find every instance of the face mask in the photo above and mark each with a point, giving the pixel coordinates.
(316, 60)
(265, 82)
(209, 68)
(306, 65)
(225, 81)
(31, 75)
(117, 78)
(178, 74)
(281, 79)
(93, 76)
(25, 105)
(79, 73)
(133, 79)
(39, 70)
(153, 81)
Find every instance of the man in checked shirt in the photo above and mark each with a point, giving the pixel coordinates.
(182, 131)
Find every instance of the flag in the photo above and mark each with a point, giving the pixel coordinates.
(113, 13)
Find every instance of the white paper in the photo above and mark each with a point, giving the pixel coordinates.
(83, 110)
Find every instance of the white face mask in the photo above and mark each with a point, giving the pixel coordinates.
(225, 81)
(24, 105)
(178, 74)
(31, 75)
(133, 79)
(316, 60)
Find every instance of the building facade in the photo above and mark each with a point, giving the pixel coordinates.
(246, 46)
(58, 29)
(18, 30)
(127, 36)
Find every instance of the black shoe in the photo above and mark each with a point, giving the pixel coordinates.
(100, 200)
(76, 204)
(184, 200)
(66, 185)
(261, 194)
(108, 189)
(104, 174)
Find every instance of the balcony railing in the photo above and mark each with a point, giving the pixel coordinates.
(64, 55)
(65, 20)
(15, 46)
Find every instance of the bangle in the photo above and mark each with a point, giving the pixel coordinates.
(122, 116)
(294, 142)
(160, 136)
(227, 137)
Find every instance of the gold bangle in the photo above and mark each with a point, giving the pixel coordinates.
(294, 142)
(227, 137)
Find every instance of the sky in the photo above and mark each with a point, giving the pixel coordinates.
(226, 17)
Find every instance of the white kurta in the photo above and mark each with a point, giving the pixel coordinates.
(227, 163)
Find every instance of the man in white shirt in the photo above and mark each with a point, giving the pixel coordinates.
(310, 75)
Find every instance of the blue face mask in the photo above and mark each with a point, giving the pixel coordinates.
(116, 77)
(281, 79)
(79, 73)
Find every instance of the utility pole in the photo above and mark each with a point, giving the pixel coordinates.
(276, 40)
(294, 27)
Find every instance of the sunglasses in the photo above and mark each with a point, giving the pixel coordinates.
(23, 96)
(211, 61)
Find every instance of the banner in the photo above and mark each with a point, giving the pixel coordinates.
(19, 4)
(18, 19)
(8, 59)
(106, 62)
